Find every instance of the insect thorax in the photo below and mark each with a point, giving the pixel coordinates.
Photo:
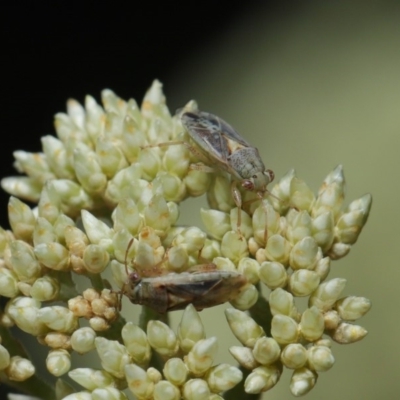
(247, 164)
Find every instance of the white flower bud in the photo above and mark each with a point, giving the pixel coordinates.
(249, 268)
(301, 196)
(262, 212)
(266, 350)
(234, 247)
(302, 381)
(244, 356)
(156, 214)
(320, 358)
(246, 298)
(327, 293)
(113, 355)
(217, 223)
(284, 329)
(165, 390)
(294, 356)
(58, 318)
(91, 379)
(273, 274)
(196, 389)
(58, 362)
(4, 358)
(223, 377)
(299, 226)
(262, 379)
(246, 330)
(352, 308)
(201, 357)
(79, 396)
(312, 324)
(82, 340)
(8, 283)
(43, 232)
(347, 333)
(282, 302)
(126, 215)
(304, 254)
(278, 249)
(97, 231)
(108, 393)
(21, 218)
(95, 258)
(190, 329)
(24, 311)
(322, 230)
(57, 340)
(176, 371)
(245, 225)
(24, 262)
(138, 381)
(162, 338)
(19, 369)
(135, 341)
(53, 255)
(303, 282)
(45, 288)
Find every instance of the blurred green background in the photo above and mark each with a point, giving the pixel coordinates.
(315, 89)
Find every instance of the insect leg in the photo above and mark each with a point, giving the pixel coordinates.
(237, 197)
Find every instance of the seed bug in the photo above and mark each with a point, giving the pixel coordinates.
(228, 151)
(204, 286)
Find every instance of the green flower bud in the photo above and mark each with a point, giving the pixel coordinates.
(282, 302)
(305, 254)
(8, 283)
(299, 226)
(322, 230)
(24, 262)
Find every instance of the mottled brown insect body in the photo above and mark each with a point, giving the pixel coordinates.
(228, 151)
(175, 291)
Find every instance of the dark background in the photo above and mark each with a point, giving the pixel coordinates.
(52, 51)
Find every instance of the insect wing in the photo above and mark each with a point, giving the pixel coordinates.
(213, 135)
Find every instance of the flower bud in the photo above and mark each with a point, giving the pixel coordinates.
(138, 381)
(266, 350)
(58, 318)
(24, 262)
(21, 218)
(53, 255)
(294, 356)
(302, 381)
(284, 329)
(304, 254)
(201, 357)
(162, 338)
(312, 324)
(190, 329)
(347, 333)
(262, 379)
(91, 379)
(278, 249)
(244, 356)
(243, 327)
(58, 362)
(165, 390)
(19, 369)
(273, 274)
(82, 340)
(234, 247)
(135, 341)
(176, 371)
(320, 358)
(303, 282)
(223, 377)
(217, 223)
(196, 389)
(352, 308)
(327, 293)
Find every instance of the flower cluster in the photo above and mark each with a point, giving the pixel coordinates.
(108, 190)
